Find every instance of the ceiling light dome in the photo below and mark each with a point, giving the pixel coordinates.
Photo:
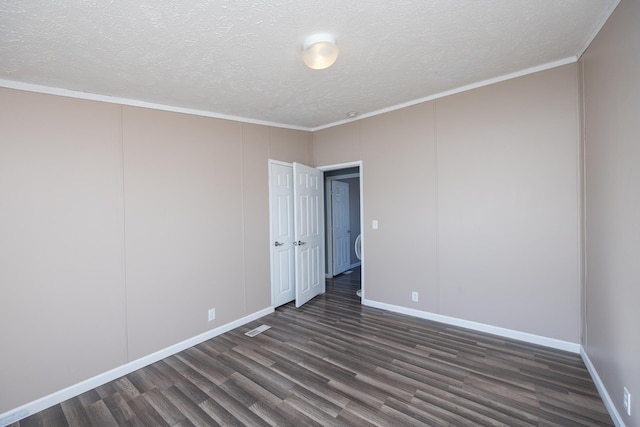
(319, 51)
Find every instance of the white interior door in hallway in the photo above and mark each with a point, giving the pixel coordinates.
(340, 227)
(296, 200)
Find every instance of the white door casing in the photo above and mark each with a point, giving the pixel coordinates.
(340, 225)
(341, 166)
(309, 232)
(282, 233)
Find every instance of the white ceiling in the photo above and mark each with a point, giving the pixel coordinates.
(241, 59)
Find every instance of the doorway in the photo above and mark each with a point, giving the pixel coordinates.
(296, 271)
(342, 219)
(335, 223)
(296, 217)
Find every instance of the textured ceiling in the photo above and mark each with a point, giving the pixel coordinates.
(242, 58)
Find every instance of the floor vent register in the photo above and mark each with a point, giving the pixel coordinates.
(260, 329)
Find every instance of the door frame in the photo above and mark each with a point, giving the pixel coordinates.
(360, 166)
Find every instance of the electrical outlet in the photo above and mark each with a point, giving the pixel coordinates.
(414, 296)
(212, 314)
(627, 401)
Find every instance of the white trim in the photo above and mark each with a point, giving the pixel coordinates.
(472, 86)
(341, 166)
(481, 327)
(29, 87)
(604, 394)
(11, 84)
(598, 27)
(91, 383)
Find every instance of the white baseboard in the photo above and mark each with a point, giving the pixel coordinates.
(522, 336)
(91, 383)
(482, 327)
(604, 394)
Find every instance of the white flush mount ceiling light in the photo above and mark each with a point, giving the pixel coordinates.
(319, 51)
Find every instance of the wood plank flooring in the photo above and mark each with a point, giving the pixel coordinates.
(335, 362)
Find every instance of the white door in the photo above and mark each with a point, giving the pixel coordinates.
(282, 235)
(340, 222)
(309, 232)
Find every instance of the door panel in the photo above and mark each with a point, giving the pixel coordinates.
(340, 221)
(282, 234)
(309, 232)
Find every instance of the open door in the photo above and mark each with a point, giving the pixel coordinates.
(340, 224)
(282, 236)
(309, 232)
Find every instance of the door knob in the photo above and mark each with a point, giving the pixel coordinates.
(279, 244)
(299, 243)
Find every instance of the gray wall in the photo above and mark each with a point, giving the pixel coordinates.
(120, 227)
(477, 198)
(611, 69)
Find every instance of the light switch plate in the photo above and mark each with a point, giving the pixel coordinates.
(374, 224)
(627, 401)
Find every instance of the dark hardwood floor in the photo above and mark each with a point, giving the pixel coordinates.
(335, 362)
